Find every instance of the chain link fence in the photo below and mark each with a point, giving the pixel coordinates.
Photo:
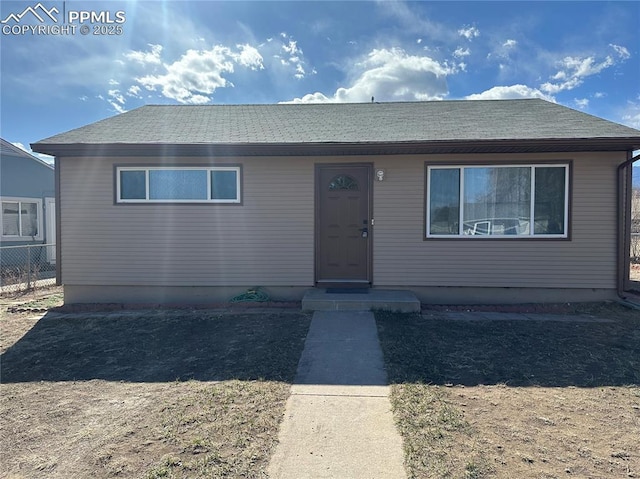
(23, 268)
(634, 254)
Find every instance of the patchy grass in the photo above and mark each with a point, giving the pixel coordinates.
(505, 399)
(20, 311)
(38, 301)
(146, 394)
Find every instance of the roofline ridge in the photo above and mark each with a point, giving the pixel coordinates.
(331, 104)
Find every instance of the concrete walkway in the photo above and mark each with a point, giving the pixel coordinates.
(338, 421)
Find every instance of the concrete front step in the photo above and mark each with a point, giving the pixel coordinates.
(318, 299)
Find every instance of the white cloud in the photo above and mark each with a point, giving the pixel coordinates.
(501, 54)
(572, 72)
(249, 57)
(300, 73)
(117, 96)
(509, 92)
(391, 75)
(116, 100)
(21, 146)
(291, 56)
(599, 94)
(461, 52)
(199, 99)
(113, 82)
(196, 72)
(134, 91)
(561, 75)
(150, 57)
(316, 97)
(622, 52)
(581, 103)
(117, 107)
(469, 32)
(291, 48)
(199, 73)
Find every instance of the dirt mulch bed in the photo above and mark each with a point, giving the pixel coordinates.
(234, 307)
(534, 308)
(52, 299)
(505, 399)
(145, 394)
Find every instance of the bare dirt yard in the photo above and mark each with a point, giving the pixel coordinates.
(200, 393)
(517, 399)
(142, 394)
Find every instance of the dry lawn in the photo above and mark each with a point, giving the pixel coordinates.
(143, 394)
(177, 394)
(514, 399)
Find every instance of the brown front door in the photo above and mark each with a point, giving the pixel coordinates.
(343, 224)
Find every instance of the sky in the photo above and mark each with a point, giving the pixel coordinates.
(108, 57)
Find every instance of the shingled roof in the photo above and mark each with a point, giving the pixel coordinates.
(436, 126)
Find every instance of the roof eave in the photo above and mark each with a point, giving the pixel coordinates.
(20, 153)
(328, 149)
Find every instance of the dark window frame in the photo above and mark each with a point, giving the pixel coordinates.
(208, 168)
(461, 164)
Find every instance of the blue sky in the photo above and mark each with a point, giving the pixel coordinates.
(584, 55)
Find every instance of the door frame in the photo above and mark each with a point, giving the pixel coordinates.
(50, 228)
(317, 206)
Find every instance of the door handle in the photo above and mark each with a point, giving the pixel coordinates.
(364, 232)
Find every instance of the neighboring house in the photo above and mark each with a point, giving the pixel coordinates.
(27, 195)
(458, 201)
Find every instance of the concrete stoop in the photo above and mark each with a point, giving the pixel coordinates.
(384, 299)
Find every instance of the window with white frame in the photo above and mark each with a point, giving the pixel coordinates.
(216, 184)
(21, 219)
(510, 201)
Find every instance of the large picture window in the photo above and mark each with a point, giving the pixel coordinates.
(219, 184)
(21, 219)
(498, 201)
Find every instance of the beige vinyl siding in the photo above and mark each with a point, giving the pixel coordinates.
(269, 239)
(403, 258)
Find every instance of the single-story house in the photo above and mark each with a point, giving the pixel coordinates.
(458, 201)
(27, 196)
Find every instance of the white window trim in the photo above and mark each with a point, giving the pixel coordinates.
(208, 169)
(531, 234)
(14, 199)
